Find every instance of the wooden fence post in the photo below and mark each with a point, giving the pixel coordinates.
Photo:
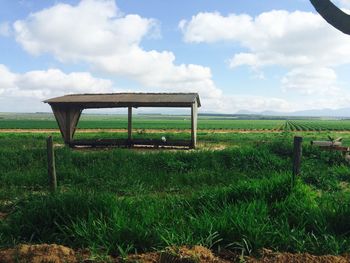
(297, 153)
(51, 164)
(129, 126)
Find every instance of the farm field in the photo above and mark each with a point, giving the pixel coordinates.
(171, 122)
(317, 125)
(234, 192)
(47, 121)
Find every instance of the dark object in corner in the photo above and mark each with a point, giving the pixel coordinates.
(333, 15)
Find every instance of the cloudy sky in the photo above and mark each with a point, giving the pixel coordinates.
(238, 55)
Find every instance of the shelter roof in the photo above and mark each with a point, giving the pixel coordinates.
(114, 100)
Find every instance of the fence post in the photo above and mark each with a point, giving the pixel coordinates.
(51, 164)
(297, 153)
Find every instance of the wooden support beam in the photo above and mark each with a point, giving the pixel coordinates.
(194, 112)
(67, 119)
(68, 131)
(75, 119)
(129, 125)
(60, 118)
(125, 142)
(51, 169)
(297, 153)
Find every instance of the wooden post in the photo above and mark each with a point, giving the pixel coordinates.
(51, 164)
(68, 127)
(297, 153)
(129, 125)
(194, 110)
(67, 119)
(75, 120)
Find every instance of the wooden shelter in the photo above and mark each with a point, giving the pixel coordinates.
(67, 110)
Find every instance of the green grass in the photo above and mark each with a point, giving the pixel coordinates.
(105, 121)
(87, 121)
(119, 200)
(317, 125)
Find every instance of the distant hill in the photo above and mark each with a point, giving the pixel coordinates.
(241, 114)
(334, 113)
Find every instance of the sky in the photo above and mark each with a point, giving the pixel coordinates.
(254, 55)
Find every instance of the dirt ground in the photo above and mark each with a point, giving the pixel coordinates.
(53, 253)
(43, 253)
(196, 254)
(271, 257)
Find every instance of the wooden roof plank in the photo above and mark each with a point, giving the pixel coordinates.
(111, 100)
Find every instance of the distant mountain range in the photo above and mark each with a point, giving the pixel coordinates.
(343, 112)
(316, 113)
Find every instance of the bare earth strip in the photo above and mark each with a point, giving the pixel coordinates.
(135, 130)
(41, 253)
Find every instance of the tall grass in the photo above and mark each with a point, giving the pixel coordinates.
(120, 200)
(294, 221)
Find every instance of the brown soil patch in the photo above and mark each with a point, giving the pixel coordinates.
(43, 253)
(143, 258)
(271, 257)
(196, 254)
(214, 146)
(53, 253)
(199, 254)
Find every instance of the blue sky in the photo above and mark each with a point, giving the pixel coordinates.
(238, 55)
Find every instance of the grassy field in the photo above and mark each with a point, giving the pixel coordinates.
(233, 192)
(317, 125)
(47, 121)
(104, 121)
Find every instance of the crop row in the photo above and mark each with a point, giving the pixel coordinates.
(315, 125)
(180, 123)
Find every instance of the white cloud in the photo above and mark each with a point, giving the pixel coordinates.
(273, 38)
(231, 104)
(311, 81)
(212, 27)
(25, 92)
(101, 30)
(331, 102)
(110, 41)
(43, 84)
(7, 78)
(98, 33)
(301, 42)
(343, 3)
